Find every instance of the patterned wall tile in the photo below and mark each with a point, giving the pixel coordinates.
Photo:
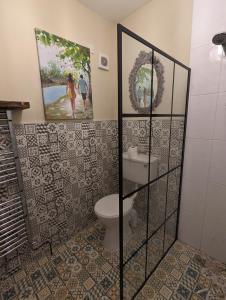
(66, 168)
(137, 132)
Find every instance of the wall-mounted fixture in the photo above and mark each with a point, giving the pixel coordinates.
(220, 39)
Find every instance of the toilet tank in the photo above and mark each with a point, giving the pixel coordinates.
(136, 168)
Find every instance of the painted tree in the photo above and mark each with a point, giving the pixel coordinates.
(144, 75)
(78, 55)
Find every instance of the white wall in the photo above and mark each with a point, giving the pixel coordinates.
(203, 210)
(19, 76)
(166, 24)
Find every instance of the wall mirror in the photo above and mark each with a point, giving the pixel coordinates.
(140, 84)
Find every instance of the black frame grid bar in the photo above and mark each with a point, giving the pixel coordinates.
(149, 160)
(167, 181)
(151, 46)
(150, 182)
(183, 148)
(122, 264)
(120, 152)
(148, 239)
(153, 115)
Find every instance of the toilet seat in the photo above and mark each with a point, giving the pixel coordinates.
(108, 206)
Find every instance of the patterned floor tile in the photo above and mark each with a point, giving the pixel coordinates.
(176, 274)
(165, 292)
(194, 276)
(82, 269)
(183, 291)
(171, 282)
(9, 294)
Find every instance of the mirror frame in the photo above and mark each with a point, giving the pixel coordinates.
(142, 59)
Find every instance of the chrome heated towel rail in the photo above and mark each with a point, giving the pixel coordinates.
(13, 233)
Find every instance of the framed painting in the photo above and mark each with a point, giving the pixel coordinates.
(65, 77)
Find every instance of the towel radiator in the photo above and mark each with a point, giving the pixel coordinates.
(13, 232)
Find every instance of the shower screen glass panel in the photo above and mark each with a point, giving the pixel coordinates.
(163, 106)
(180, 90)
(136, 135)
(152, 103)
(136, 76)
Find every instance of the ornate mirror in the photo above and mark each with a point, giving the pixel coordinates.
(140, 92)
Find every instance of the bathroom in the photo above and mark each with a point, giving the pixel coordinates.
(117, 196)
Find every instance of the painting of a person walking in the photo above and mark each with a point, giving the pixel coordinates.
(83, 89)
(65, 77)
(71, 92)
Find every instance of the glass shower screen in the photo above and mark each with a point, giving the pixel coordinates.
(152, 109)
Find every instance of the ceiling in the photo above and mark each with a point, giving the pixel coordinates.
(114, 10)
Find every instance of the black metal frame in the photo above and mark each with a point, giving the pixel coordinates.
(121, 29)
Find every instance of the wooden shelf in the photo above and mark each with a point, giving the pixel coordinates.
(14, 105)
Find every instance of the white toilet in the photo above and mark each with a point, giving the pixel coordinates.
(107, 208)
(107, 211)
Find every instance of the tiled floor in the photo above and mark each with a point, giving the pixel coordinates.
(185, 273)
(82, 269)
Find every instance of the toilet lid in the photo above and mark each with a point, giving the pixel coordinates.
(108, 207)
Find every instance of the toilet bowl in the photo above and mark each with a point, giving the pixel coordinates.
(136, 170)
(107, 211)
